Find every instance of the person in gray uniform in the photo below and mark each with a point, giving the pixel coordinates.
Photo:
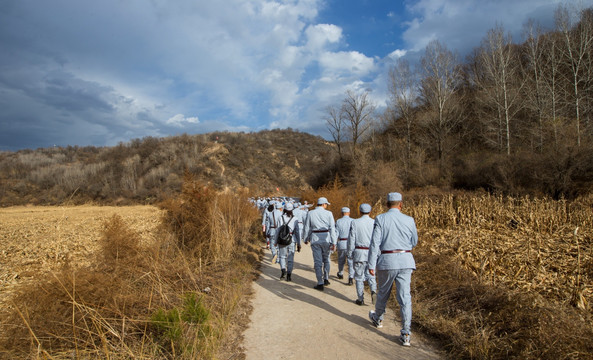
(320, 231)
(267, 222)
(390, 256)
(286, 252)
(343, 228)
(274, 216)
(300, 216)
(359, 241)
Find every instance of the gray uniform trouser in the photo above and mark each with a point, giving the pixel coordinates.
(402, 278)
(342, 257)
(321, 260)
(273, 249)
(286, 257)
(361, 274)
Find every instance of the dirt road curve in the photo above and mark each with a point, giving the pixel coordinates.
(291, 320)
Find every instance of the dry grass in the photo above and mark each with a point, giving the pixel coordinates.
(129, 286)
(502, 278)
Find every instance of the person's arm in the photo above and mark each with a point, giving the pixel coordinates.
(307, 229)
(414, 234)
(297, 234)
(351, 239)
(333, 232)
(374, 248)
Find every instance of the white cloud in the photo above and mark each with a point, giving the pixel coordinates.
(396, 54)
(318, 36)
(180, 120)
(346, 62)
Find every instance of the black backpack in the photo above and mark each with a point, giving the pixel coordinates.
(284, 233)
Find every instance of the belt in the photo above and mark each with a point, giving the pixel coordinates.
(272, 227)
(395, 251)
(343, 239)
(361, 247)
(320, 231)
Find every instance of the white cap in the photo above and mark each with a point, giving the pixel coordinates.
(394, 196)
(322, 201)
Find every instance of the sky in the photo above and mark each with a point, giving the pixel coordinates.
(99, 73)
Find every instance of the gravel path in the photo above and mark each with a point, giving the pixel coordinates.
(291, 320)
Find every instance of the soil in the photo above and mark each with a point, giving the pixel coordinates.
(291, 320)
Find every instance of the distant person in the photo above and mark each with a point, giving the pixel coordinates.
(267, 221)
(286, 252)
(320, 231)
(275, 216)
(343, 228)
(359, 241)
(390, 254)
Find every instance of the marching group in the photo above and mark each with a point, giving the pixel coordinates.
(378, 251)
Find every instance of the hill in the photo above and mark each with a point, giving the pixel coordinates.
(150, 169)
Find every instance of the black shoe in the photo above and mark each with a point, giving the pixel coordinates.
(350, 282)
(326, 282)
(359, 302)
(283, 274)
(340, 276)
(318, 287)
(288, 277)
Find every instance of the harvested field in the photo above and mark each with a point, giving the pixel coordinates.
(40, 239)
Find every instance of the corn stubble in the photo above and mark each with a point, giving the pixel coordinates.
(171, 294)
(502, 277)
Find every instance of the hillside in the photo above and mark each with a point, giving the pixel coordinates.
(150, 169)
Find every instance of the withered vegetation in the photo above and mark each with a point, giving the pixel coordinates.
(135, 299)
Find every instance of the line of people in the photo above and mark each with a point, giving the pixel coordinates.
(378, 251)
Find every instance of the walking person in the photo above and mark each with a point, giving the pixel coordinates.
(359, 241)
(343, 228)
(267, 222)
(320, 231)
(390, 256)
(286, 252)
(273, 218)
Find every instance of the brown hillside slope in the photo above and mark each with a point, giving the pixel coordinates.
(151, 169)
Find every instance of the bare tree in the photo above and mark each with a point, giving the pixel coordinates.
(440, 82)
(358, 112)
(501, 82)
(336, 126)
(403, 89)
(576, 52)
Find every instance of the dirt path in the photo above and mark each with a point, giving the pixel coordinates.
(291, 320)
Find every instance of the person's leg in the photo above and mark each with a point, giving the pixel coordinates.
(350, 268)
(359, 268)
(290, 261)
(341, 262)
(404, 298)
(326, 261)
(371, 280)
(318, 262)
(384, 285)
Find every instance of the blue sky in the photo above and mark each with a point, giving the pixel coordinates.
(79, 72)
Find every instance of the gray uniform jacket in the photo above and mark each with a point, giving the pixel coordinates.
(294, 227)
(343, 228)
(273, 218)
(320, 226)
(393, 231)
(361, 231)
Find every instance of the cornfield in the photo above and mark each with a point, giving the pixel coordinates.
(528, 244)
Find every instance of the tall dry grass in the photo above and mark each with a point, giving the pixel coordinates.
(502, 277)
(172, 299)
